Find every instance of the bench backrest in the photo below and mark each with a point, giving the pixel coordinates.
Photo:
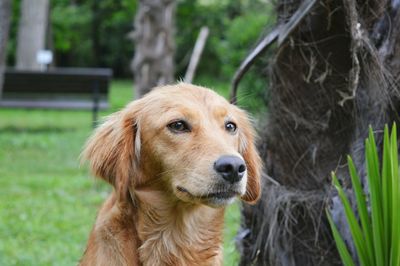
(78, 82)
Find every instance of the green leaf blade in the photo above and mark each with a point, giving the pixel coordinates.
(362, 210)
(395, 200)
(356, 232)
(386, 189)
(375, 197)
(341, 246)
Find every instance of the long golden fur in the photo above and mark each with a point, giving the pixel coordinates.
(167, 206)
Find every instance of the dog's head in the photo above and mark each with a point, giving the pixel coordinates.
(182, 139)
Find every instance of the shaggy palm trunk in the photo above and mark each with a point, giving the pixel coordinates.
(153, 63)
(334, 74)
(5, 15)
(31, 32)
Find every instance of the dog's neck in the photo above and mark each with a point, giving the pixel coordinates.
(188, 233)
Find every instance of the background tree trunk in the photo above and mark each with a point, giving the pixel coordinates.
(5, 16)
(153, 63)
(334, 75)
(31, 32)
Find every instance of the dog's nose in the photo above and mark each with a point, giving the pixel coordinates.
(231, 168)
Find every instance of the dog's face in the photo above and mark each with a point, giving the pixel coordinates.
(182, 139)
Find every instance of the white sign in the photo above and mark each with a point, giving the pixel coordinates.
(44, 57)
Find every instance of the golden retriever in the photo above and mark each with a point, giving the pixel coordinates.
(175, 157)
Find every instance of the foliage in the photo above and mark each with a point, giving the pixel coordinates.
(377, 236)
(235, 28)
(12, 41)
(47, 202)
(69, 25)
(95, 33)
(86, 33)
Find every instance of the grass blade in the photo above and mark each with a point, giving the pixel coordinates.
(362, 210)
(375, 197)
(341, 246)
(386, 191)
(356, 232)
(395, 200)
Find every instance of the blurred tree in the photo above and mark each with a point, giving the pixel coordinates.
(335, 72)
(153, 63)
(32, 30)
(5, 15)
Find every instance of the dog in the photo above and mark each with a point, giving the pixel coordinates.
(176, 158)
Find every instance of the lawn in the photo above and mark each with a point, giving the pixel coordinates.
(48, 203)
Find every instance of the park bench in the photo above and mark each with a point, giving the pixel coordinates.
(60, 88)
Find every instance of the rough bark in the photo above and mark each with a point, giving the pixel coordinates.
(31, 32)
(153, 62)
(5, 16)
(334, 75)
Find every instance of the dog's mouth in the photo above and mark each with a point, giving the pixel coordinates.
(219, 197)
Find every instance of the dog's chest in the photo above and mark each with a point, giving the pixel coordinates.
(181, 244)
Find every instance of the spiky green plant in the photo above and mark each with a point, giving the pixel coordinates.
(375, 234)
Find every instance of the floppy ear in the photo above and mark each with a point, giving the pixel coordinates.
(253, 161)
(111, 149)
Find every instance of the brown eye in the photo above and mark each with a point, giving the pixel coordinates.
(179, 126)
(230, 127)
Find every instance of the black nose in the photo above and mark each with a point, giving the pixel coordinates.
(231, 168)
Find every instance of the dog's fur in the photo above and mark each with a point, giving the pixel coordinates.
(159, 212)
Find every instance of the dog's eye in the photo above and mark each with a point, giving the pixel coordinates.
(179, 126)
(230, 127)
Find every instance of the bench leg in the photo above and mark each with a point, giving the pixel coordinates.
(96, 100)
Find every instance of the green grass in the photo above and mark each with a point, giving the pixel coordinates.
(48, 203)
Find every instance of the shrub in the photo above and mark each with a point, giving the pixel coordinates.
(376, 233)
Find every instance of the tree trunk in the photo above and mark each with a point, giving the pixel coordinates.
(31, 32)
(5, 16)
(334, 74)
(153, 63)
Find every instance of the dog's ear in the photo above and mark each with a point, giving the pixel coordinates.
(111, 150)
(253, 161)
